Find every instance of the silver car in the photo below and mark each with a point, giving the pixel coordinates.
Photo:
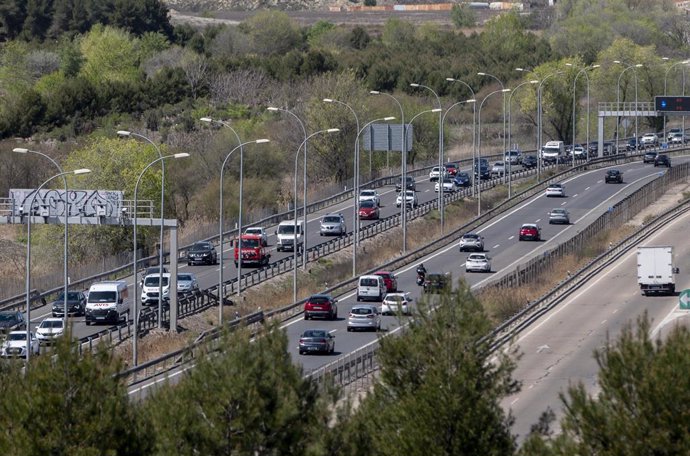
(187, 283)
(370, 195)
(478, 262)
(471, 241)
(559, 215)
(364, 316)
(333, 224)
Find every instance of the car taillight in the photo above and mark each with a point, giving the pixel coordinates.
(370, 316)
(323, 341)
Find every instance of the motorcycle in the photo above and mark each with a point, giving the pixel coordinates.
(421, 273)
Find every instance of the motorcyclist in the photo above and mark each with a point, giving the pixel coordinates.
(421, 270)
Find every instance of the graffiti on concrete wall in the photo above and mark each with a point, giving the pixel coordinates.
(86, 203)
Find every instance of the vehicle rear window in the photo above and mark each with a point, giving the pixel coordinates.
(51, 324)
(319, 300)
(369, 282)
(314, 333)
(362, 310)
(331, 219)
(366, 204)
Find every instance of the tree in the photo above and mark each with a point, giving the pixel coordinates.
(640, 407)
(448, 403)
(462, 16)
(272, 32)
(109, 55)
(69, 404)
(249, 399)
(359, 38)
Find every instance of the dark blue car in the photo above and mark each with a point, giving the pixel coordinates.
(462, 179)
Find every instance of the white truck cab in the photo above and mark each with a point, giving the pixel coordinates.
(290, 234)
(107, 302)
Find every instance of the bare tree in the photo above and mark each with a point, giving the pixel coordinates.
(196, 71)
(245, 86)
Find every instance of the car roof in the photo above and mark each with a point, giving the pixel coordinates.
(529, 225)
(51, 319)
(320, 296)
(382, 272)
(555, 185)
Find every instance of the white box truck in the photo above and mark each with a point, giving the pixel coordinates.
(655, 271)
(107, 302)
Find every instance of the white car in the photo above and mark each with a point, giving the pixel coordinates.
(471, 241)
(498, 170)
(258, 231)
(370, 195)
(395, 303)
(49, 330)
(448, 186)
(15, 345)
(187, 283)
(578, 152)
(649, 139)
(478, 262)
(149, 292)
(437, 173)
(555, 190)
(364, 316)
(410, 199)
(514, 157)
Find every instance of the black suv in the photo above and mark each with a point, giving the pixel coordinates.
(436, 283)
(11, 320)
(202, 252)
(662, 160)
(529, 161)
(614, 176)
(649, 157)
(411, 185)
(76, 304)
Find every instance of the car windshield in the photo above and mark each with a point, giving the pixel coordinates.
(250, 243)
(102, 296)
(6, 316)
(256, 231)
(447, 181)
(331, 219)
(476, 257)
(315, 333)
(17, 336)
(184, 278)
(463, 175)
(51, 324)
(470, 236)
(558, 211)
(71, 296)
(152, 281)
(367, 193)
(362, 310)
(366, 204)
(396, 298)
(286, 229)
(319, 300)
(200, 247)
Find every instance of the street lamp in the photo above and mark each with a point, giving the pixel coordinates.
(440, 146)
(481, 73)
(618, 95)
(21, 150)
(510, 144)
(474, 103)
(478, 170)
(685, 62)
(127, 134)
(474, 120)
(294, 232)
(76, 172)
(539, 121)
(582, 71)
(304, 177)
(403, 165)
(221, 294)
(135, 260)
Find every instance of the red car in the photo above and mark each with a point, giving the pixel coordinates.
(321, 305)
(368, 210)
(530, 232)
(452, 169)
(389, 279)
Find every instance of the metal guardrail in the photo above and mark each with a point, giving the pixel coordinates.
(362, 361)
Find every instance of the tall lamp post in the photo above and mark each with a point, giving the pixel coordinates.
(127, 134)
(479, 150)
(682, 62)
(474, 121)
(21, 150)
(510, 144)
(443, 118)
(304, 177)
(440, 148)
(481, 73)
(539, 120)
(618, 94)
(76, 172)
(221, 293)
(403, 164)
(582, 71)
(294, 232)
(134, 254)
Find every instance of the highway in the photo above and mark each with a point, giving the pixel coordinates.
(558, 349)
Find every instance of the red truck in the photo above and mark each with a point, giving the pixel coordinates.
(253, 251)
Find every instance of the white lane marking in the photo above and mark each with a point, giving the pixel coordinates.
(511, 237)
(162, 379)
(603, 322)
(537, 220)
(496, 246)
(587, 188)
(332, 331)
(514, 401)
(564, 203)
(575, 195)
(599, 181)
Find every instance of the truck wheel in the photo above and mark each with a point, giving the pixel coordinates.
(235, 263)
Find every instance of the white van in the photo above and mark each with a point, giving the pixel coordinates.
(149, 289)
(371, 287)
(287, 237)
(553, 150)
(107, 302)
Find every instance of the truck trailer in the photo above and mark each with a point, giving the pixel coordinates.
(655, 270)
